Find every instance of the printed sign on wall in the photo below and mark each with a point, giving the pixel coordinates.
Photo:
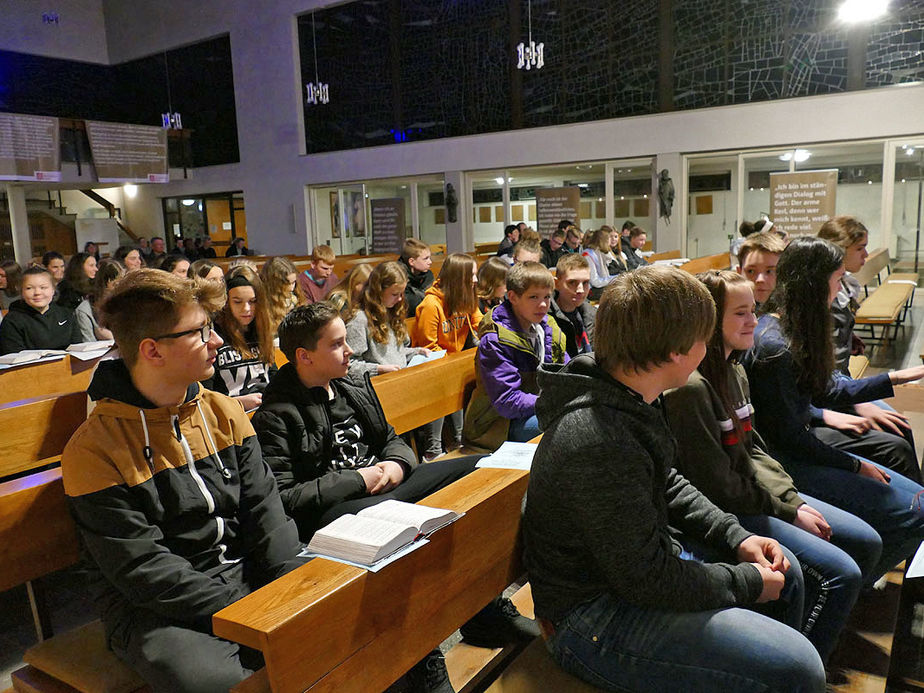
(555, 204)
(801, 202)
(388, 220)
(29, 148)
(125, 153)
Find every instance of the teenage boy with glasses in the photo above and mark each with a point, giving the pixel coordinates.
(176, 510)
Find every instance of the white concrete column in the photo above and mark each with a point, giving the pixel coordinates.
(669, 235)
(460, 235)
(19, 222)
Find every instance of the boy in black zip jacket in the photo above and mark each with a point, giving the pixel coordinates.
(326, 438)
(177, 513)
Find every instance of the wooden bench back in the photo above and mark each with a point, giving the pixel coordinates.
(669, 255)
(41, 379)
(340, 628)
(702, 264)
(33, 432)
(414, 396)
(877, 261)
(37, 534)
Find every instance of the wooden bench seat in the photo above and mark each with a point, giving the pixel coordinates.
(891, 297)
(857, 366)
(46, 378)
(702, 264)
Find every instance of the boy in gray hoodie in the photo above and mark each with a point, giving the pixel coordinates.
(623, 553)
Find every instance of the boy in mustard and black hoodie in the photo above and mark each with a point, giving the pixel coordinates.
(176, 510)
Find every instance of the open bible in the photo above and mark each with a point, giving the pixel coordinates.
(378, 531)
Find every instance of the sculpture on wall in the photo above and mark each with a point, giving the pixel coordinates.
(665, 194)
(452, 203)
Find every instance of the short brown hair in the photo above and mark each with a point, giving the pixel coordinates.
(648, 314)
(843, 230)
(559, 233)
(145, 303)
(413, 248)
(637, 231)
(527, 246)
(302, 327)
(571, 261)
(323, 253)
(765, 241)
(526, 274)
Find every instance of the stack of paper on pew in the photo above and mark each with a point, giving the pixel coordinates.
(87, 351)
(377, 532)
(510, 455)
(25, 356)
(417, 359)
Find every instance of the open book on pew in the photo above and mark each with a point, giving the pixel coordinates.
(376, 534)
(675, 262)
(31, 356)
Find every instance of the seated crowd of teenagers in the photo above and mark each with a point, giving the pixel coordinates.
(723, 469)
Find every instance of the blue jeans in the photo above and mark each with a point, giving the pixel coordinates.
(523, 430)
(891, 509)
(622, 647)
(832, 578)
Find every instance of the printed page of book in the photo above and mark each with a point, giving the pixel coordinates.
(423, 518)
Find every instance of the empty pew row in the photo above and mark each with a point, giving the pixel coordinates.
(887, 299)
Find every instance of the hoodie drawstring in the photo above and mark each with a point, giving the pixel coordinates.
(147, 451)
(225, 472)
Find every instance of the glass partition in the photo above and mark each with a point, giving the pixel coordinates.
(908, 205)
(488, 218)
(712, 222)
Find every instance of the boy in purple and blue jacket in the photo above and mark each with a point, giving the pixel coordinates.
(514, 339)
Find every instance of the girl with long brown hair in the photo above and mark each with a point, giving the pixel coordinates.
(448, 316)
(376, 331)
(246, 360)
(789, 369)
(723, 456)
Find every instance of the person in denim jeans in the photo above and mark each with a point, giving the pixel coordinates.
(623, 603)
(725, 458)
(789, 369)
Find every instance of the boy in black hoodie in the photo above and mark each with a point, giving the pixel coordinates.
(326, 438)
(628, 602)
(34, 322)
(415, 258)
(177, 513)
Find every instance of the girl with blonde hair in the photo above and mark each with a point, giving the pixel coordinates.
(279, 276)
(345, 296)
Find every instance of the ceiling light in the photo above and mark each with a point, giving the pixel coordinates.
(189, 202)
(862, 10)
(800, 155)
(130, 190)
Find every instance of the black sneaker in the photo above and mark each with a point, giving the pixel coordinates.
(429, 675)
(498, 625)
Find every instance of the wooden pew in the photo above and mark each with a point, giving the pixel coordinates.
(414, 396)
(888, 305)
(39, 379)
(702, 264)
(329, 626)
(38, 537)
(669, 255)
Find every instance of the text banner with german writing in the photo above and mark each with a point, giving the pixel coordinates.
(125, 153)
(29, 148)
(555, 204)
(801, 202)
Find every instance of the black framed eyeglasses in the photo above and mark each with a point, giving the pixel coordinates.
(205, 333)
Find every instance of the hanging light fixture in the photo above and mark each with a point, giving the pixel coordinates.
(531, 54)
(170, 120)
(317, 91)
